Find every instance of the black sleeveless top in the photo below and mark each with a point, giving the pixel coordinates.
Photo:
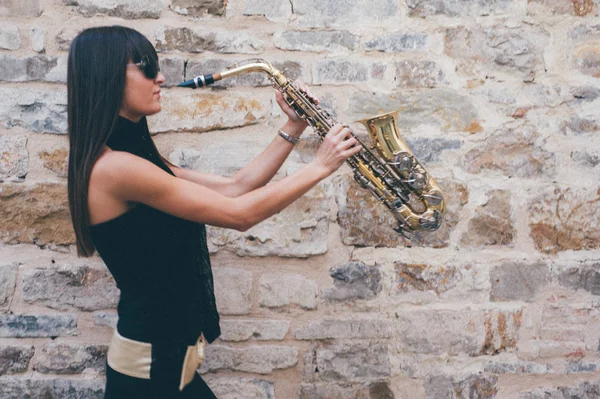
(159, 262)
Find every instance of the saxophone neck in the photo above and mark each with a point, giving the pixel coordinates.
(258, 65)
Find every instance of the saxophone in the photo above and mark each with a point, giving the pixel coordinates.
(387, 168)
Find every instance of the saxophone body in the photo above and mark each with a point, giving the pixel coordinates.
(387, 167)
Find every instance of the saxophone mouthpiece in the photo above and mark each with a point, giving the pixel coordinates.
(200, 81)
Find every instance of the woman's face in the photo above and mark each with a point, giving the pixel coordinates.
(142, 95)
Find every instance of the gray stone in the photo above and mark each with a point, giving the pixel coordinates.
(36, 68)
(518, 281)
(252, 359)
(19, 388)
(15, 358)
(474, 386)
(232, 290)
(238, 387)
(342, 71)
(517, 367)
(398, 42)
(261, 330)
(346, 329)
(70, 358)
(29, 326)
(10, 37)
(582, 390)
(199, 8)
(67, 287)
(585, 158)
(585, 277)
(65, 37)
(37, 37)
(128, 9)
(354, 280)
(316, 41)
(20, 8)
(283, 290)
(173, 69)
(550, 7)
(199, 40)
(577, 126)
(14, 157)
(343, 13)
(457, 8)
(418, 73)
(106, 319)
(272, 9)
(43, 111)
(585, 93)
(492, 222)
(410, 277)
(366, 360)
(8, 280)
(429, 151)
(347, 390)
(445, 110)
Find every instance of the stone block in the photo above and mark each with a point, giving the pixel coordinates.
(238, 387)
(251, 359)
(418, 74)
(420, 277)
(71, 286)
(127, 9)
(518, 281)
(8, 280)
(36, 214)
(10, 37)
(563, 219)
(30, 326)
(589, 159)
(457, 8)
(584, 277)
(474, 386)
(173, 69)
(271, 9)
(15, 358)
(36, 68)
(14, 157)
(333, 13)
(199, 8)
(20, 8)
(579, 8)
(398, 42)
(108, 319)
(345, 71)
(279, 290)
(43, 111)
(232, 290)
(492, 223)
(70, 358)
(346, 329)
(354, 280)
(52, 388)
(261, 330)
(586, 58)
(37, 38)
(57, 161)
(316, 41)
(579, 390)
(199, 40)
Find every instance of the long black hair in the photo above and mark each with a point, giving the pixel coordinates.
(96, 72)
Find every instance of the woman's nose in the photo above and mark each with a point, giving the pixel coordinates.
(160, 78)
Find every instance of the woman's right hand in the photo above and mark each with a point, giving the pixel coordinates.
(336, 147)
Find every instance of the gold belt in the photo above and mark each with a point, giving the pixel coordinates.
(134, 358)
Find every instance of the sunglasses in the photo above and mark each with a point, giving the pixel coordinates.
(149, 66)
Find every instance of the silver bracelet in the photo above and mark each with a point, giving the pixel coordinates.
(293, 140)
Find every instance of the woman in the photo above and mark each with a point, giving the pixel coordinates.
(146, 217)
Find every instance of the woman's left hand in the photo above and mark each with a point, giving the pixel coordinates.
(295, 125)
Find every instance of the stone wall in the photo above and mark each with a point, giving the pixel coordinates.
(499, 99)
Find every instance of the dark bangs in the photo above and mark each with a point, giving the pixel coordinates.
(137, 46)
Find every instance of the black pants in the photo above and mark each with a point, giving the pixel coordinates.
(165, 374)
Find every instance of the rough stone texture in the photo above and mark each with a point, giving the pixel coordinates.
(413, 73)
(56, 161)
(347, 361)
(326, 390)
(20, 8)
(343, 71)
(261, 330)
(8, 279)
(517, 50)
(252, 359)
(272, 9)
(43, 111)
(25, 326)
(583, 390)
(279, 290)
(202, 111)
(345, 329)
(326, 13)
(37, 37)
(422, 277)
(512, 152)
(15, 358)
(10, 37)
(14, 157)
(492, 222)
(201, 40)
(354, 280)
(365, 222)
(232, 290)
(456, 8)
(398, 42)
(173, 69)
(106, 319)
(518, 281)
(298, 231)
(316, 41)
(565, 218)
(39, 67)
(70, 359)
(65, 37)
(69, 286)
(52, 389)
(587, 59)
(474, 386)
(584, 277)
(128, 9)
(36, 214)
(586, 158)
(578, 8)
(237, 387)
(199, 8)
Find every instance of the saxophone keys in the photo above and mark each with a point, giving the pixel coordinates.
(403, 161)
(417, 180)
